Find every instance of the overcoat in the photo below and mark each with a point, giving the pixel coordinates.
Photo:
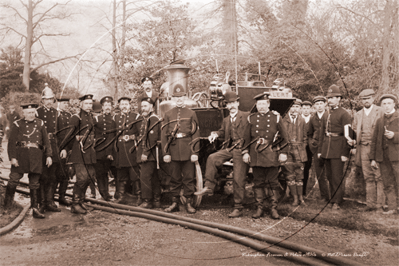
(380, 144)
(49, 117)
(103, 123)
(150, 134)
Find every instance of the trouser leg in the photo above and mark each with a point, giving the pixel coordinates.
(335, 175)
(321, 178)
(123, 177)
(176, 178)
(134, 173)
(188, 180)
(214, 161)
(34, 192)
(307, 166)
(390, 176)
(102, 168)
(84, 174)
(240, 170)
(147, 179)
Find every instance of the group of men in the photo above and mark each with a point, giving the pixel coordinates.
(134, 144)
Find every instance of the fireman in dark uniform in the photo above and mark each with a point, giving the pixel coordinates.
(333, 147)
(102, 123)
(180, 127)
(264, 127)
(79, 141)
(63, 171)
(149, 135)
(296, 151)
(126, 162)
(232, 130)
(26, 146)
(49, 114)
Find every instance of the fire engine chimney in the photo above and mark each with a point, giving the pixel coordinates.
(178, 76)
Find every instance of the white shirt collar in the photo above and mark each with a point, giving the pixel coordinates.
(393, 111)
(320, 115)
(307, 118)
(368, 110)
(149, 94)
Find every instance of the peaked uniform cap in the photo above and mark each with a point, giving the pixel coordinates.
(86, 97)
(106, 99)
(124, 98)
(29, 105)
(147, 99)
(306, 103)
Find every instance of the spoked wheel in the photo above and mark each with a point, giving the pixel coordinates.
(199, 186)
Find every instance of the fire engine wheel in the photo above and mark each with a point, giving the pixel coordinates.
(200, 184)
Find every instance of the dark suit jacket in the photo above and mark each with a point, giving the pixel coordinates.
(302, 139)
(377, 142)
(314, 126)
(241, 124)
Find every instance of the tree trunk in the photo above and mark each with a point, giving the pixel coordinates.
(28, 47)
(114, 52)
(386, 48)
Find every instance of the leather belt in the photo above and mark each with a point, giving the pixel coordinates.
(127, 137)
(27, 144)
(331, 134)
(262, 141)
(182, 135)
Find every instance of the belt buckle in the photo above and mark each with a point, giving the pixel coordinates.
(261, 141)
(126, 137)
(50, 135)
(328, 134)
(179, 135)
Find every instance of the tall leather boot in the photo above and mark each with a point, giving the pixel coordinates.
(175, 205)
(76, 208)
(274, 195)
(259, 197)
(294, 194)
(35, 205)
(9, 196)
(121, 189)
(50, 205)
(147, 204)
(137, 185)
(41, 199)
(189, 206)
(156, 202)
(61, 193)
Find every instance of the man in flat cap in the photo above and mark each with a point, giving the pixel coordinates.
(365, 121)
(48, 180)
(179, 128)
(80, 142)
(104, 123)
(27, 144)
(319, 104)
(296, 151)
(333, 146)
(63, 172)
(306, 113)
(127, 168)
(264, 126)
(147, 154)
(384, 150)
(232, 131)
(147, 84)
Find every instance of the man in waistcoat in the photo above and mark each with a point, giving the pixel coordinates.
(365, 121)
(232, 131)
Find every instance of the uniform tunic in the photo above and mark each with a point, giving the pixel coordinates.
(63, 123)
(49, 117)
(332, 148)
(30, 159)
(79, 121)
(265, 163)
(127, 137)
(179, 149)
